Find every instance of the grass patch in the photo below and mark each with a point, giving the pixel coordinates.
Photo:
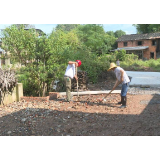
(140, 65)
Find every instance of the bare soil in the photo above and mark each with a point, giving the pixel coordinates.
(85, 117)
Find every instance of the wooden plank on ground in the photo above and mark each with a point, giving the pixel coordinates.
(91, 92)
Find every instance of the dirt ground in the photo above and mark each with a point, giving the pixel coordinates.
(87, 117)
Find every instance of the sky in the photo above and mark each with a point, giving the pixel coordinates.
(47, 28)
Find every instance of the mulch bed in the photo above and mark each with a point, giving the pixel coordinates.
(87, 117)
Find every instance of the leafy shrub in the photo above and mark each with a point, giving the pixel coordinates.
(30, 85)
(91, 63)
(121, 54)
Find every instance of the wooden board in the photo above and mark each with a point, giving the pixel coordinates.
(91, 92)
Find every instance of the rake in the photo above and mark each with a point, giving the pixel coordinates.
(110, 91)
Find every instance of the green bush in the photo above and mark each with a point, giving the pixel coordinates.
(121, 55)
(30, 86)
(91, 63)
(132, 62)
(152, 63)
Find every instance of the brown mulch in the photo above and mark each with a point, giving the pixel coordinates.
(85, 117)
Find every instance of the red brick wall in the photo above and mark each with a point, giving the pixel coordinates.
(146, 53)
(52, 96)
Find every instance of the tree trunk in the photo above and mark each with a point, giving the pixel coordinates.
(44, 89)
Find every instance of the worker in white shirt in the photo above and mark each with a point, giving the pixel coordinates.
(70, 74)
(122, 78)
(118, 63)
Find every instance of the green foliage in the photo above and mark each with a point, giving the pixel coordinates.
(114, 36)
(66, 27)
(147, 28)
(119, 33)
(19, 42)
(94, 37)
(121, 54)
(29, 80)
(111, 33)
(46, 57)
(91, 63)
(133, 63)
(64, 46)
(155, 64)
(111, 57)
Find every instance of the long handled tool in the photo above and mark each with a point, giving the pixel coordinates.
(77, 89)
(77, 85)
(107, 95)
(110, 92)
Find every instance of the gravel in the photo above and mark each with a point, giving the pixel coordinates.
(85, 118)
(141, 91)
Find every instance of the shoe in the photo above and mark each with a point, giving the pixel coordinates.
(123, 106)
(124, 99)
(120, 101)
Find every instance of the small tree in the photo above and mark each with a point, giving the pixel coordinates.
(119, 33)
(20, 43)
(50, 58)
(94, 37)
(66, 27)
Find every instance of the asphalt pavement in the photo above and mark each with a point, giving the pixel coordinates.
(151, 79)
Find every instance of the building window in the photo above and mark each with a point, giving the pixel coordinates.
(125, 43)
(139, 43)
(152, 55)
(139, 53)
(153, 43)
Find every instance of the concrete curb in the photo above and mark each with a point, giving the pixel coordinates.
(90, 92)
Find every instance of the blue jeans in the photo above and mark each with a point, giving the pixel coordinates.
(124, 89)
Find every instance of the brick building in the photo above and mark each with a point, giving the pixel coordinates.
(146, 46)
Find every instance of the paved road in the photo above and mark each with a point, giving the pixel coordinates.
(144, 78)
